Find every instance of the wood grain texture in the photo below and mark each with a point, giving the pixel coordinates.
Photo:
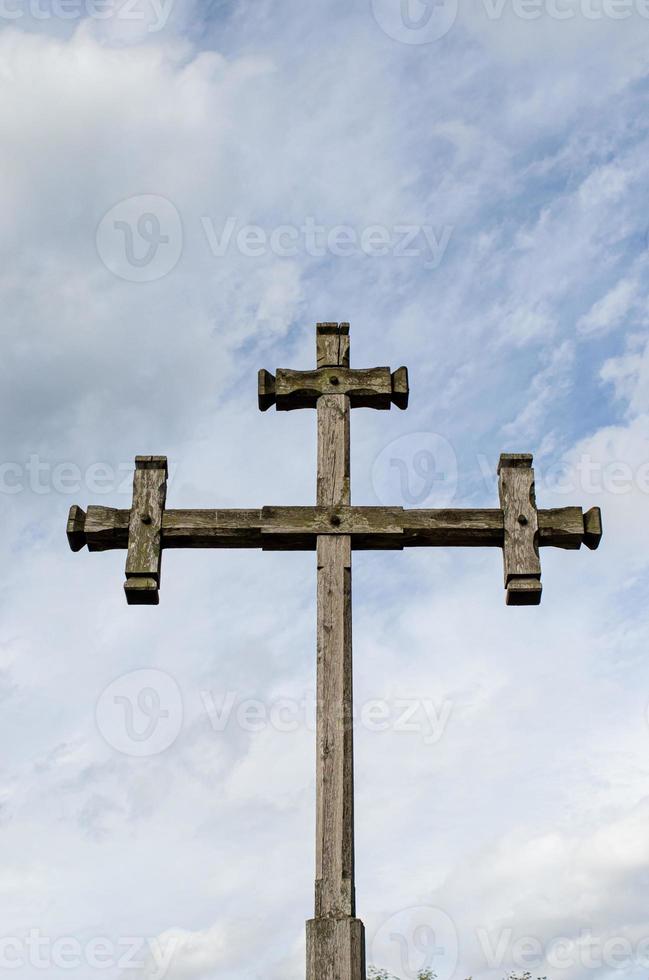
(335, 761)
(366, 387)
(521, 530)
(145, 531)
(335, 939)
(296, 528)
(333, 489)
(376, 388)
(335, 752)
(335, 949)
(332, 344)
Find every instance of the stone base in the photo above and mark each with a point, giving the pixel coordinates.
(335, 949)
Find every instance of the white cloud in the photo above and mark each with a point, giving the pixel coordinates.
(529, 810)
(609, 311)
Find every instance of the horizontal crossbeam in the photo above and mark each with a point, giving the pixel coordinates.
(297, 528)
(366, 388)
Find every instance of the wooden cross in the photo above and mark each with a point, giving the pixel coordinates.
(335, 937)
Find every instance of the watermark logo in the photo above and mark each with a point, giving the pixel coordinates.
(153, 14)
(568, 954)
(130, 955)
(416, 470)
(417, 716)
(401, 241)
(141, 239)
(417, 940)
(141, 713)
(415, 21)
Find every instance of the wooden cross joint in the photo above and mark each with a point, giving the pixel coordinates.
(378, 388)
(332, 344)
(522, 532)
(145, 531)
(517, 526)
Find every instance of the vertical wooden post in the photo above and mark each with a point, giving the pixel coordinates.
(335, 938)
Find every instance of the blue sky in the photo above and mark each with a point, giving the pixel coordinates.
(163, 170)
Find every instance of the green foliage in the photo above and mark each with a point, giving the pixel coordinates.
(375, 974)
(522, 976)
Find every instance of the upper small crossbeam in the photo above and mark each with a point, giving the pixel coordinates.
(365, 387)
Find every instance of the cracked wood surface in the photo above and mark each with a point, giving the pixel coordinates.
(296, 528)
(145, 530)
(521, 530)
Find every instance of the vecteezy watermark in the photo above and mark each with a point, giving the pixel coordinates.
(421, 470)
(583, 951)
(43, 476)
(420, 716)
(141, 713)
(141, 239)
(128, 953)
(424, 21)
(401, 241)
(153, 14)
(563, 10)
(416, 470)
(585, 474)
(415, 21)
(415, 940)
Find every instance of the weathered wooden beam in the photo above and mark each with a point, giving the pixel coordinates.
(335, 949)
(366, 387)
(593, 528)
(521, 530)
(296, 528)
(145, 531)
(400, 388)
(334, 890)
(332, 344)
(265, 390)
(76, 529)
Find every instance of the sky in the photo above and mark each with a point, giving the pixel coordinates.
(186, 189)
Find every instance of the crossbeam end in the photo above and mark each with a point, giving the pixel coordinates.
(524, 591)
(265, 390)
(521, 461)
(400, 388)
(593, 528)
(142, 591)
(76, 529)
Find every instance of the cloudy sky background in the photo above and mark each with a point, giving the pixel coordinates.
(518, 807)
